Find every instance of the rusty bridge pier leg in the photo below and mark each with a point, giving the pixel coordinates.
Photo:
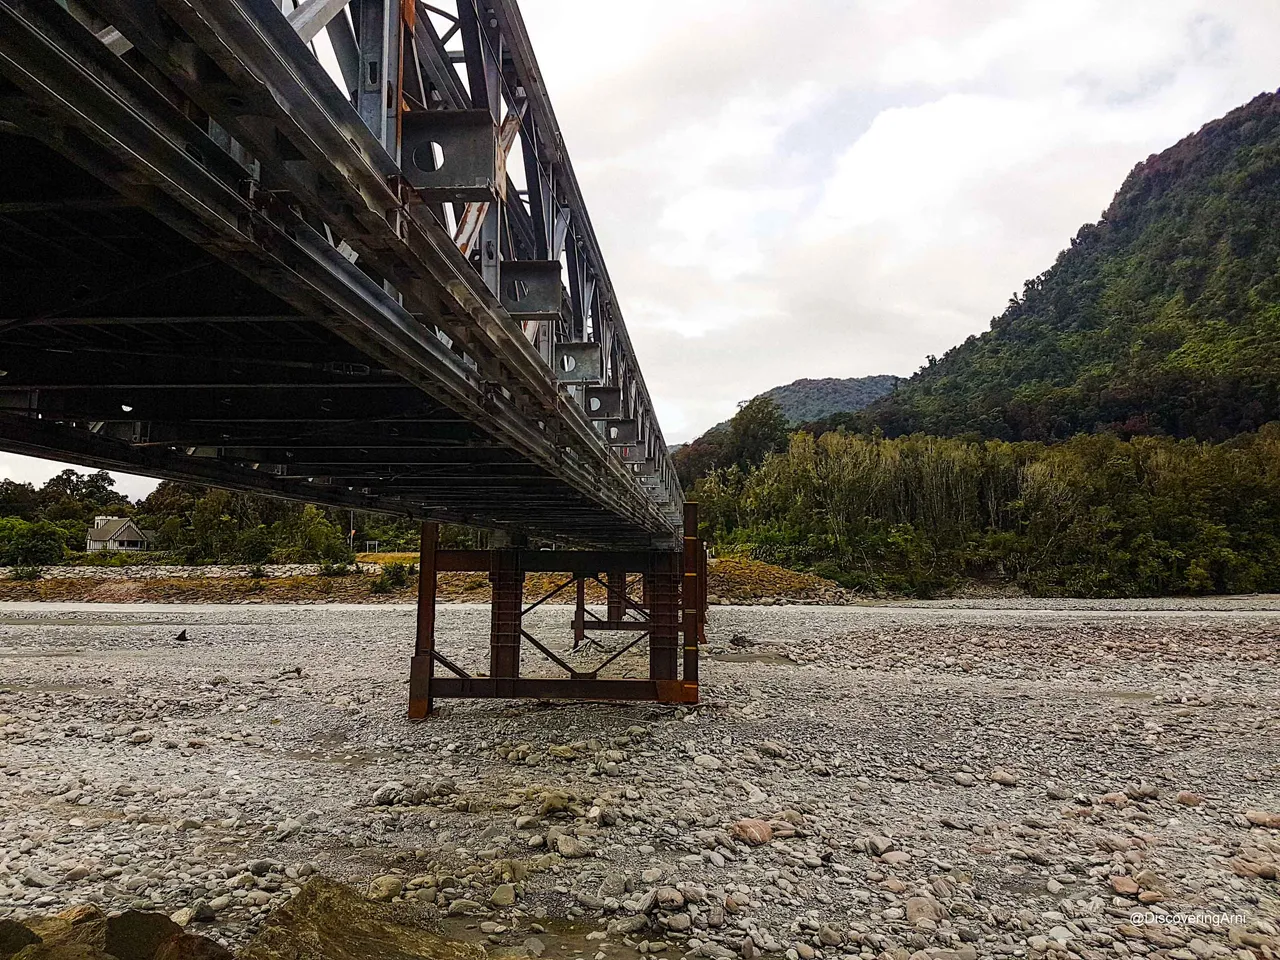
(704, 563)
(616, 595)
(422, 666)
(664, 615)
(580, 611)
(691, 593)
(507, 582)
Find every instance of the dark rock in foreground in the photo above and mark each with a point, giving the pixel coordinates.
(14, 936)
(328, 921)
(86, 933)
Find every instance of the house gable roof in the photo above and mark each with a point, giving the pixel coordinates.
(112, 530)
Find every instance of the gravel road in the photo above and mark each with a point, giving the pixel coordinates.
(929, 781)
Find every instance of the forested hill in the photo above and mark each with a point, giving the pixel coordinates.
(1162, 318)
(803, 400)
(763, 421)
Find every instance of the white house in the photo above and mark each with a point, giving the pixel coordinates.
(118, 533)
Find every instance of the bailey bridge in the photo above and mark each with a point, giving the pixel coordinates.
(336, 252)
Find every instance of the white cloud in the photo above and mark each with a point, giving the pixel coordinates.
(834, 189)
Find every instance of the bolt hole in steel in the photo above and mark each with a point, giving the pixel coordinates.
(568, 364)
(594, 404)
(429, 157)
(518, 290)
(235, 103)
(613, 433)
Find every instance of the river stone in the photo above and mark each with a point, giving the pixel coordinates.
(329, 920)
(925, 908)
(753, 832)
(1123, 885)
(571, 847)
(504, 895)
(1004, 777)
(829, 936)
(385, 888)
(183, 916)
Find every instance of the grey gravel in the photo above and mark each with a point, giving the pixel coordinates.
(936, 781)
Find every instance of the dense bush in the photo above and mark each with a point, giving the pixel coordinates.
(395, 576)
(1096, 516)
(23, 543)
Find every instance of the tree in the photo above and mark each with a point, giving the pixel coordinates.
(758, 429)
(18, 500)
(307, 536)
(79, 497)
(30, 544)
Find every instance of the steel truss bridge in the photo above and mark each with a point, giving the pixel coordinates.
(336, 252)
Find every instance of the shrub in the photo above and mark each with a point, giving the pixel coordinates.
(27, 573)
(30, 544)
(328, 569)
(256, 572)
(395, 576)
(254, 545)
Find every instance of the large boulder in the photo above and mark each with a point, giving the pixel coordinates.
(61, 951)
(188, 946)
(86, 933)
(13, 937)
(132, 935)
(328, 921)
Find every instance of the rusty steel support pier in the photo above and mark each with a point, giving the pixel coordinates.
(670, 615)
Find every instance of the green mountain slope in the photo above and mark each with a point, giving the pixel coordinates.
(1162, 318)
(763, 421)
(804, 400)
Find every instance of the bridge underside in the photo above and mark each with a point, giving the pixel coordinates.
(142, 353)
(160, 314)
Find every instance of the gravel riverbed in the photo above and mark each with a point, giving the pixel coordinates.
(929, 781)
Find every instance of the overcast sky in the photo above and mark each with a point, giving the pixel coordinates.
(827, 188)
